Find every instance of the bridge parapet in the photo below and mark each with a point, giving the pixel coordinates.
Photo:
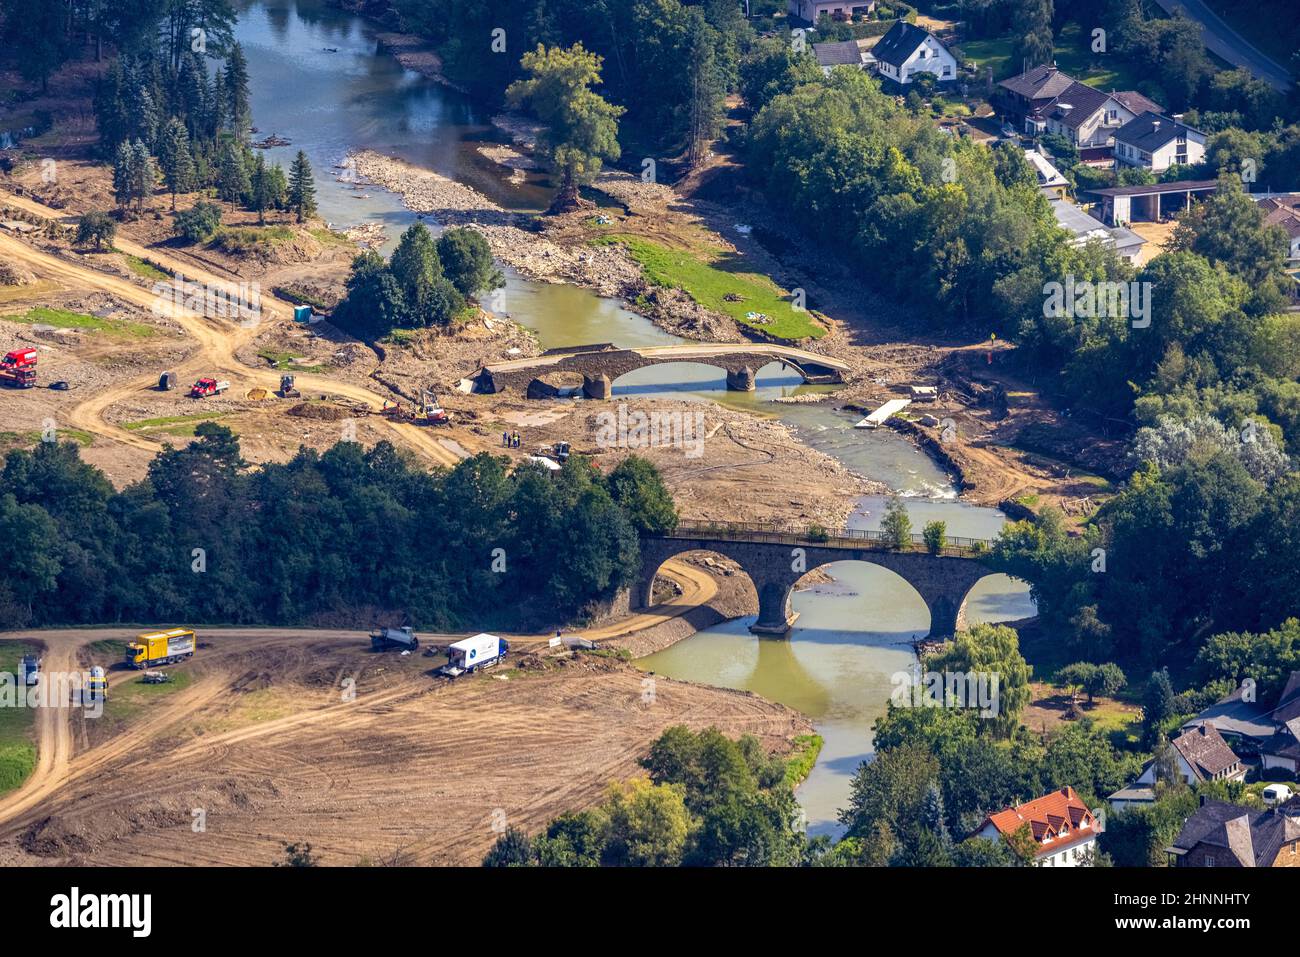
(814, 535)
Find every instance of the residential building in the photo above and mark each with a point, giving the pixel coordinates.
(810, 10)
(1201, 755)
(1060, 823)
(907, 51)
(842, 53)
(1283, 210)
(1045, 100)
(1282, 750)
(1084, 228)
(1220, 834)
(1156, 142)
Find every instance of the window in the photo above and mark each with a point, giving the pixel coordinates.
(1209, 860)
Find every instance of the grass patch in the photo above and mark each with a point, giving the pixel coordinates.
(330, 238)
(168, 420)
(63, 319)
(241, 240)
(1072, 55)
(284, 361)
(17, 742)
(128, 700)
(802, 758)
(14, 440)
(146, 269)
(709, 279)
(301, 297)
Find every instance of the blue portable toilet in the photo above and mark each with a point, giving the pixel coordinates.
(302, 313)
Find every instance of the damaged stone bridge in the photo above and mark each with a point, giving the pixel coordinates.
(602, 364)
(776, 557)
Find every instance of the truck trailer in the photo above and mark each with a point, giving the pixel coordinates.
(470, 654)
(381, 639)
(160, 648)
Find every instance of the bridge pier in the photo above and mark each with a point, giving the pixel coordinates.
(597, 386)
(740, 380)
(774, 614)
(943, 617)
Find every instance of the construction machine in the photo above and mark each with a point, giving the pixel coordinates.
(287, 388)
(18, 368)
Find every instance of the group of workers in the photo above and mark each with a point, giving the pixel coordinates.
(510, 440)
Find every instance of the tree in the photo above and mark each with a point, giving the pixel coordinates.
(991, 650)
(935, 535)
(122, 183)
(96, 228)
(298, 855)
(234, 82)
(199, 223)
(176, 160)
(233, 183)
(302, 187)
(896, 526)
(512, 849)
(416, 266)
(467, 261)
(636, 485)
(1158, 703)
(645, 824)
(580, 127)
(261, 193)
(35, 29)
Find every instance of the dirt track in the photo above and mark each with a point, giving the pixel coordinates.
(268, 745)
(217, 340)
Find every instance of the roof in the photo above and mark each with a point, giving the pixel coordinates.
(1149, 131)
(1136, 103)
(1250, 836)
(1076, 103)
(1288, 703)
(1177, 186)
(841, 53)
(900, 43)
(1048, 175)
(1205, 751)
(1076, 221)
(1233, 715)
(1056, 820)
(1043, 82)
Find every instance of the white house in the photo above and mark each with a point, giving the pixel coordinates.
(1060, 823)
(1156, 142)
(907, 50)
(1045, 100)
(810, 10)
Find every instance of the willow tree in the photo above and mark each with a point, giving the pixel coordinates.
(580, 126)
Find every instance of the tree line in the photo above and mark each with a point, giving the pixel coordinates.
(347, 537)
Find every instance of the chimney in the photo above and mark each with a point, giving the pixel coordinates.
(1155, 125)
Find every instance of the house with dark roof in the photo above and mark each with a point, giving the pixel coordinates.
(1282, 750)
(842, 53)
(1061, 825)
(810, 10)
(1220, 834)
(1045, 100)
(1201, 755)
(1156, 142)
(1283, 210)
(907, 51)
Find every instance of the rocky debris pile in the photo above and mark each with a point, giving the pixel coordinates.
(11, 274)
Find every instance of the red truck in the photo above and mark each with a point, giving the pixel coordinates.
(205, 387)
(18, 368)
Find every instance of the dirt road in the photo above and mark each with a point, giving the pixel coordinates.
(218, 341)
(271, 744)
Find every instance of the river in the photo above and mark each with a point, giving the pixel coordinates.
(319, 80)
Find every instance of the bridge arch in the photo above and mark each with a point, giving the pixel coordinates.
(775, 561)
(1011, 606)
(691, 375)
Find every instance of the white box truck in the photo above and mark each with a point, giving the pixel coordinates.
(470, 654)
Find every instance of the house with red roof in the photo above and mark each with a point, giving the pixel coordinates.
(1061, 825)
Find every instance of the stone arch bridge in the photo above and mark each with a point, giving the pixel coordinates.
(776, 557)
(600, 365)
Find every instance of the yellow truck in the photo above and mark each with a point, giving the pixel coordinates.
(160, 648)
